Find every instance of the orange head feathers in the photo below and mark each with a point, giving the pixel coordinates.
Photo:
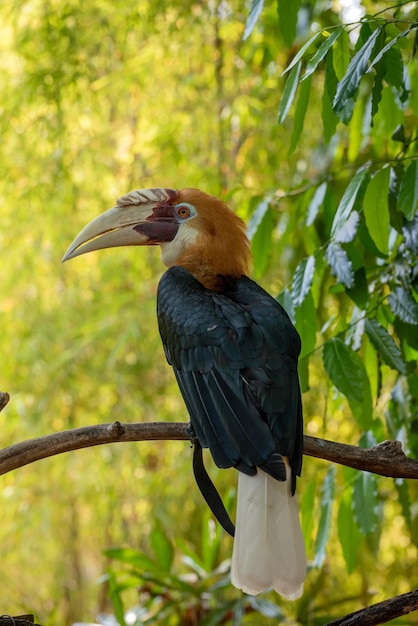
(213, 243)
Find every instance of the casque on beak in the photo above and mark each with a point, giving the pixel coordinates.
(141, 217)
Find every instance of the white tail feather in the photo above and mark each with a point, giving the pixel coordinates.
(269, 551)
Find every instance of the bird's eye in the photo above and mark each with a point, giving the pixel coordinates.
(185, 210)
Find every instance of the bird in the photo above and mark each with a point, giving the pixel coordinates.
(234, 352)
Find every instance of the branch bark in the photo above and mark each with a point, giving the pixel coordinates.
(381, 612)
(386, 459)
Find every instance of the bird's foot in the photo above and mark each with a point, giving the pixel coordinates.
(191, 434)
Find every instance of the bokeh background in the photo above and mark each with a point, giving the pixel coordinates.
(99, 98)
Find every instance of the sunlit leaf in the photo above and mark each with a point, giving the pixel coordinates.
(163, 548)
(132, 557)
(316, 203)
(327, 500)
(285, 299)
(301, 52)
(347, 201)
(403, 305)
(265, 607)
(289, 92)
(302, 279)
(341, 55)
(387, 47)
(322, 51)
(385, 345)
(260, 232)
(355, 332)
(116, 599)
(255, 10)
(347, 231)
(343, 367)
(300, 112)
(350, 82)
(340, 264)
(376, 209)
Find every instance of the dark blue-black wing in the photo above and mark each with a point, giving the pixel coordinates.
(235, 359)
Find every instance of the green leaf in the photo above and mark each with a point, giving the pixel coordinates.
(348, 533)
(289, 92)
(365, 502)
(377, 89)
(385, 345)
(301, 52)
(302, 279)
(340, 264)
(376, 209)
(163, 548)
(265, 607)
(329, 119)
(347, 201)
(359, 293)
(387, 47)
(288, 17)
(115, 596)
(306, 324)
(322, 51)
(285, 299)
(405, 501)
(350, 82)
(327, 500)
(307, 507)
(341, 55)
(316, 203)
(394, 74)
(408, 192)
(303, 371)
(348, 231)
(344, 369)
(300, 112)
(363, 411)
(404, 306)
(255, 10)
(260, 233)
(132, 557)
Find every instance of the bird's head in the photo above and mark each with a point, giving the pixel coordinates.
(195, 230)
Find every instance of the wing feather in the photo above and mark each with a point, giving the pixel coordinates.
(235, 358)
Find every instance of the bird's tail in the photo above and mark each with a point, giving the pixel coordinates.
(269, 551)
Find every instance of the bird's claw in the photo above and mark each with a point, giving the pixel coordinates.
(191, 434)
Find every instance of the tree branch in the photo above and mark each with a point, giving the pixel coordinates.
(386, 459)
(381, 612)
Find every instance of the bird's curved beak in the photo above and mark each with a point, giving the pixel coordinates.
(142, 217)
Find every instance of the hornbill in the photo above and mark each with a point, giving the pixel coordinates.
(234, 352)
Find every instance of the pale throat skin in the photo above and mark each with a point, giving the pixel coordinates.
(172, 251)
